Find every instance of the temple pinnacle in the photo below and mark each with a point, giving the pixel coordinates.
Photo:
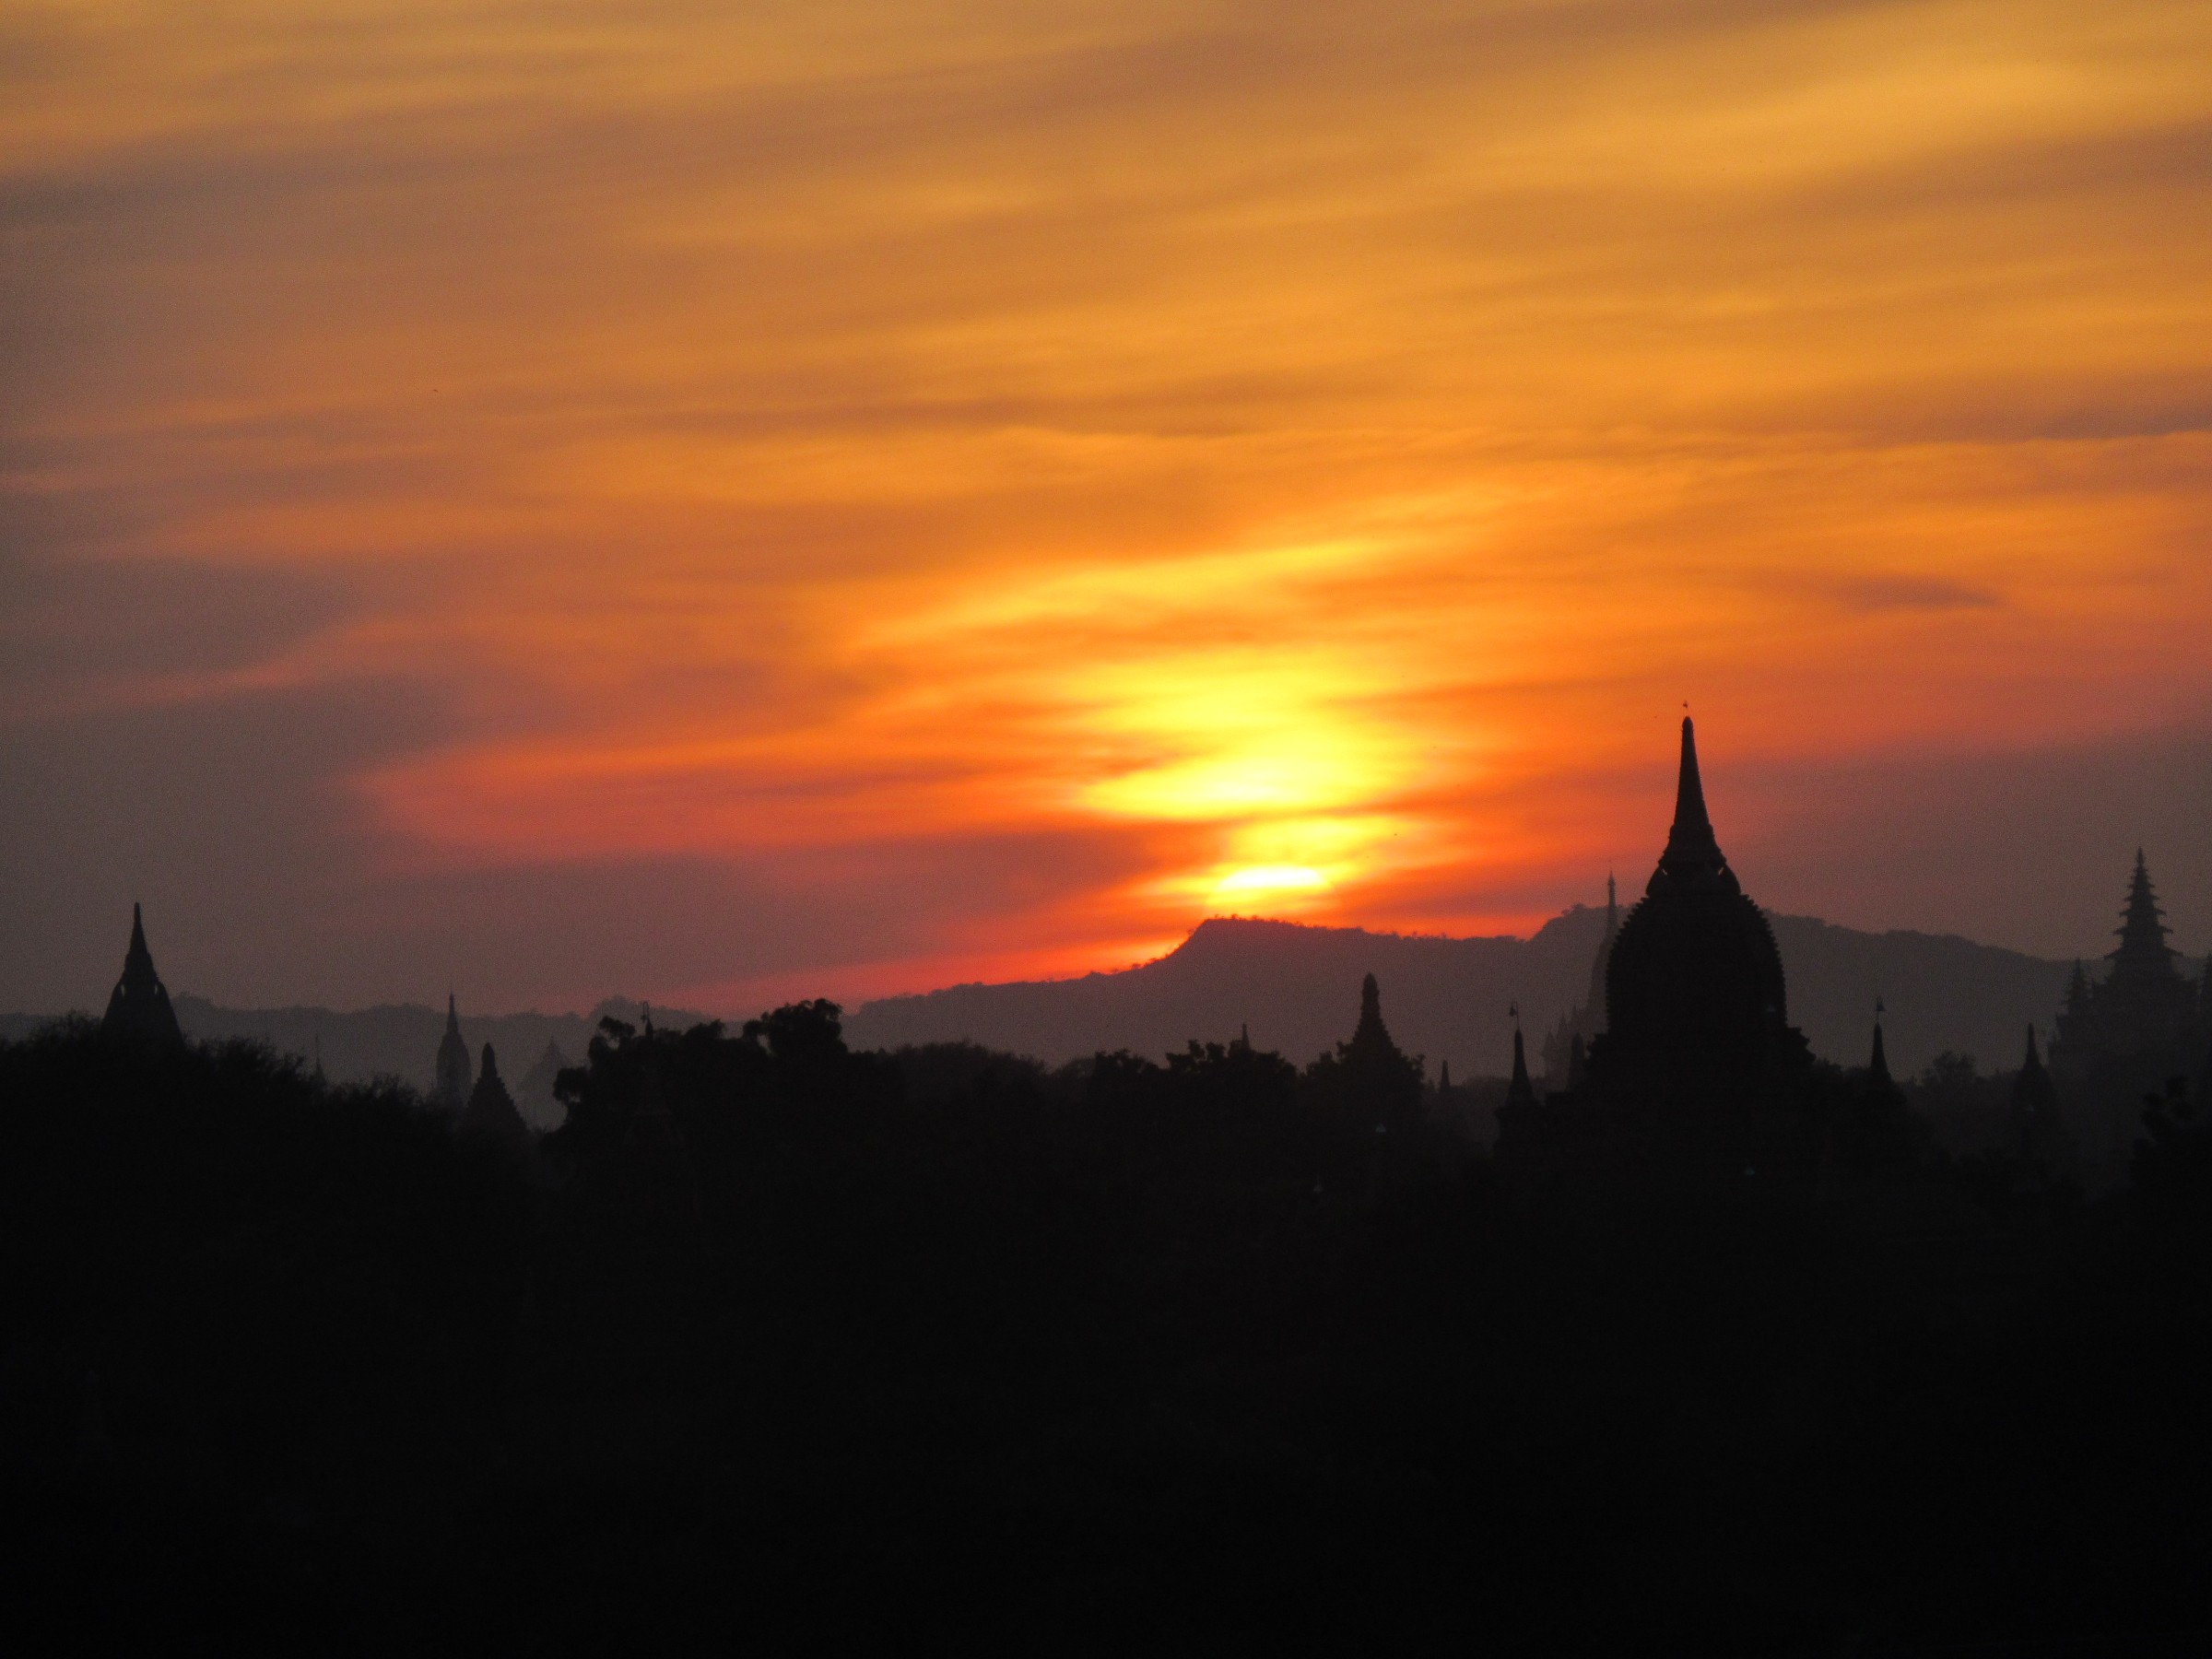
(1693, 856)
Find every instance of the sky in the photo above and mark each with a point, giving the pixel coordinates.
(731, 502)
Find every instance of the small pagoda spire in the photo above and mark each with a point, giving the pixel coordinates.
(1589, 1019)
(2035, 1104)
(1693, 856)
(491, 1111)
(138, 1008)
(452, 1089)
(1520, 1094)
(1370, 1033)
(1878, 1063)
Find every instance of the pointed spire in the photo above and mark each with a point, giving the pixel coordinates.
(1691, 817)
(1612, 904)
(1370, 1035)
(1878, 1063)
(138, 1008)
(2034, 1101)
(1245, 1034)
(1519, 1092)
(452, 1086)
(1694, 857)
(1443, 1078)
(490, 1111)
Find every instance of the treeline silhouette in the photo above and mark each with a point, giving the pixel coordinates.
(776, 1341)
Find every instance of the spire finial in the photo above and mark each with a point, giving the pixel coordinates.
(1694, 857)
(1690, 786)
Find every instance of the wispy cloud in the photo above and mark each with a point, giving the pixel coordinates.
(1266, 441)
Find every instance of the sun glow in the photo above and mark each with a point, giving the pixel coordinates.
(985, 510)
(1268, 881)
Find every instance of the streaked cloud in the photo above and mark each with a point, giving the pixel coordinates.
(1302, 458)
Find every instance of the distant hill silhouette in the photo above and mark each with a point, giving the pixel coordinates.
(1298, 988)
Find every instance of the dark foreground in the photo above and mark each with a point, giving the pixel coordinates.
(782, 1347)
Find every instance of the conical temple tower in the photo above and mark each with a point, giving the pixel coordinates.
(452, 1091)
(1520, 1094)
(1877, 1061)
(491, 1112)
(138, 1008)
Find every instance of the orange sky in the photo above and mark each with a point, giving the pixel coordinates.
(931, 490)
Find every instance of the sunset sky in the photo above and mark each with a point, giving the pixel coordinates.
(718, 502)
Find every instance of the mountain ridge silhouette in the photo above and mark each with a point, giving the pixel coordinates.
(1297, 987)
(1295, 984)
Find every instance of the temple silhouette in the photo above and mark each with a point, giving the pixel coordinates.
(451, 1091)
(1697, 1062)
(2132, 1033)
(138, 1008)
(1679, 1055)
(1567, 1045)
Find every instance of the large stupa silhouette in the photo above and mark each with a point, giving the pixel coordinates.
(1698, 1062)
(1697, 1009)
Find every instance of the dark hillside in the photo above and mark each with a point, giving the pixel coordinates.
(1447, 998)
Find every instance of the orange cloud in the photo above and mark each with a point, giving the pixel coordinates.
(1319, 451)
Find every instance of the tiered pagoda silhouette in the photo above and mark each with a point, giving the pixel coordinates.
(2128, 1034)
